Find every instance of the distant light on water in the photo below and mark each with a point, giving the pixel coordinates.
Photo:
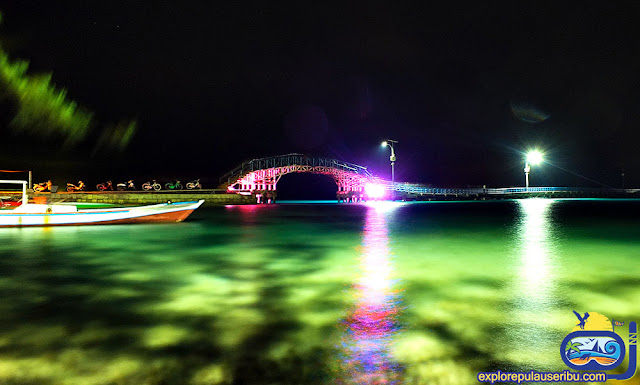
(372, 324)
(384, 206)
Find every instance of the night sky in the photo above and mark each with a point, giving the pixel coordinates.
(464, 87)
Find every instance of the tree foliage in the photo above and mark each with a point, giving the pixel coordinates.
(43, 109)
(117, 135)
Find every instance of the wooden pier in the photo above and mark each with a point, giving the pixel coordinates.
(210, 197)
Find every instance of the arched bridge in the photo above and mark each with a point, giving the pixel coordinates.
(261, 176)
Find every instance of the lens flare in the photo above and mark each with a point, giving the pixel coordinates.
(528, 112)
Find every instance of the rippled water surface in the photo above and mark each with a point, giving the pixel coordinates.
(380, 293)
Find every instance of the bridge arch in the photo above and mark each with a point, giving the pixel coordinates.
(261, 176)
(307, 186)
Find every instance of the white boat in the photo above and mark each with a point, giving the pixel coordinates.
(30, 214)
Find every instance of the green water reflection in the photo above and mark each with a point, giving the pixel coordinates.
(314, 294)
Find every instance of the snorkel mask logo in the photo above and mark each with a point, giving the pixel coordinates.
(593, 344)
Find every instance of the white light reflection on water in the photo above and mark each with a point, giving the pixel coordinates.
(372, 324)
(535, 273)
(535, 291)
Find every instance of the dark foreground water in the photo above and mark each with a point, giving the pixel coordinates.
(386, 293)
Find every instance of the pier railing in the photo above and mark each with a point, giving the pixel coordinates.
(410, 188)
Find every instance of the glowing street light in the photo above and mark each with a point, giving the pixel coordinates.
(533, 157)
(392, 158)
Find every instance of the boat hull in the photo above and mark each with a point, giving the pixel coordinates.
(45, 215)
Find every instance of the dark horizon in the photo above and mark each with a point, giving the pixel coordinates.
(464, 88)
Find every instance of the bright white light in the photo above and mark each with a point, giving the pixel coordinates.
(374, 190)
(534, 157)
(384, 144)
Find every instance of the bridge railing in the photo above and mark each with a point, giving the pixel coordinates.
(290, 160)
(421, 189)
(411, 188)
(522, 190)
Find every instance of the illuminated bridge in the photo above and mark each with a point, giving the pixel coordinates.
(260, 177)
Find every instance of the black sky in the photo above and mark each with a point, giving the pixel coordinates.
(215, 83)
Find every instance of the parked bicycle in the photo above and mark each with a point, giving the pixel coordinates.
(175, 185)
(151, 186)
(44, 186)
(105, 186)
(194, 184)
(126, 186)
(73, 188)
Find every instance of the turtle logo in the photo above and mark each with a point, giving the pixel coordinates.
(593, 344)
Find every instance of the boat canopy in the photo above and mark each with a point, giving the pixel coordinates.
(25, 200)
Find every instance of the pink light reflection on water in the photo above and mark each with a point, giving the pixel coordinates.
(372, 324)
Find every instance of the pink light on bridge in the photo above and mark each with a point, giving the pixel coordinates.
(267, 179)
(374, 190)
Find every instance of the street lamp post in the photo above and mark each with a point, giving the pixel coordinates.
(533, 157)
(392, 158)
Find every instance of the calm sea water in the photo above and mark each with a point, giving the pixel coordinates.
(381, 293)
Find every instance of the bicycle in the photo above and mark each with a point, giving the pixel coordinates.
(173, 185)
(151, 186)
(104, 186)
(126, 186)
(44, 186)
(194, 184)
(72, 187)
